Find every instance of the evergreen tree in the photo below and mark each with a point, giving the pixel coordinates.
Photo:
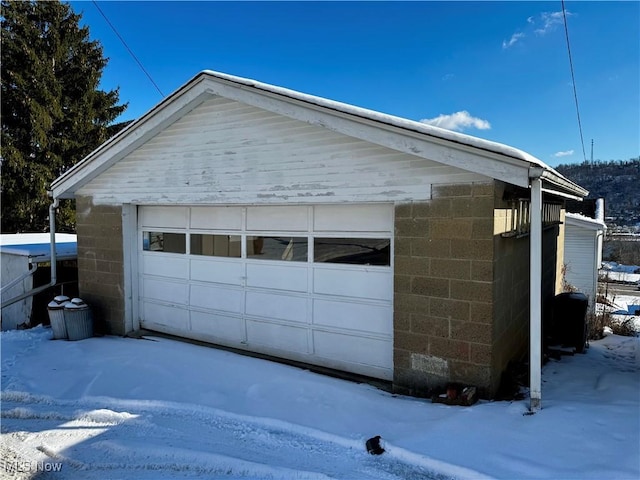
(53, 113)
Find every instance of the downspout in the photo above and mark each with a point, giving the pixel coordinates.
(54, 273)
(535, 292)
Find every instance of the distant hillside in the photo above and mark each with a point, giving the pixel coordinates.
(618, 182)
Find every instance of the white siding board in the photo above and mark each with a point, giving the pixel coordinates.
(222, 152)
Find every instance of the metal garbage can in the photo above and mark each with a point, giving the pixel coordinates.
(56, 316)
(77, 317)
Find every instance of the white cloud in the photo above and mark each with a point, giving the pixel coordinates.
(513, 40)
(448, 76)
(458, 121)
(550, 20)
(540, 24)
(566, 153)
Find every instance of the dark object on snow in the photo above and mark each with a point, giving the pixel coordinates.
(373, 446)
(457, 395)
(570, 320)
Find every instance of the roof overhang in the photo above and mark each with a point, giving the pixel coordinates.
(466, 152)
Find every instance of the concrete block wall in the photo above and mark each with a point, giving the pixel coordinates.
(443, 289)
(100, 263)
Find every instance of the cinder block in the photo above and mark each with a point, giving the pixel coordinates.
(425, 324)
(451, 228)
(412, 342)
(482, 228)
(471, 332)
(402, 246)
(480, 354)
(433, 248)
(403, 210)
(452, 190)
(472, 249)
(483, 189)
(472, 374)
(410, 303)
(401, 359)
(482, 270)
(401, 321)
(448, 348)
(447, 308)
(402, 283)
(434, 208)
(411, 227)
(431, 287)
(449, 268)
(468, 207)
(411, 266)
(430, 365)
(471, 291)
(481, 312)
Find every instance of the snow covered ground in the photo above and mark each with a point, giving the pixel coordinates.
(617, 272)
(124, 408)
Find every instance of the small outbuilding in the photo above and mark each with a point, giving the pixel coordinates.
(25, 259)
(583, 254)
(267, 220)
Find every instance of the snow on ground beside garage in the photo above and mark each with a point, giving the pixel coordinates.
(617, 272)
(154, 408)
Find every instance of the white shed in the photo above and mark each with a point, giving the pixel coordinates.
(583, 254)
(20, 256)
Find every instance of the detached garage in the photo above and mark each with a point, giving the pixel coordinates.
(251, 216)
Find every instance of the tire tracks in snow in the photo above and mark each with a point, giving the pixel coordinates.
(136, 438)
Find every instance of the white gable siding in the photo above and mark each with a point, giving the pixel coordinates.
(580, 257)
(226, 152)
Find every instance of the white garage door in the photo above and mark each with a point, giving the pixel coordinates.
(308, 283)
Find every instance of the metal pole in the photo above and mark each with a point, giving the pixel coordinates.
(535, 286)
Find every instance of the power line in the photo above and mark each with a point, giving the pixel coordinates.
(128, 49)
(573, 81)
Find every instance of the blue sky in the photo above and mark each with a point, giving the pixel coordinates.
(495, 70)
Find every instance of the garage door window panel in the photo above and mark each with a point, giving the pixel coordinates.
(216, 245)
(353, 251)
(292, 249)
(164, 242)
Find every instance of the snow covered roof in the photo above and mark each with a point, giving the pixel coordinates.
(37, 246)
(492, 159)
(584, 222)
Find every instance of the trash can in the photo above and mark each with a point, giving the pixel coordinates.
(570, 318)
(56, 316)
(77, 317)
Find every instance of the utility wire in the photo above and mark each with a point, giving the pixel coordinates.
(128, 49)
(573, 81)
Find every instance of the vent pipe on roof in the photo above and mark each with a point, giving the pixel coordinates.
(600, 210)
(54, 263)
